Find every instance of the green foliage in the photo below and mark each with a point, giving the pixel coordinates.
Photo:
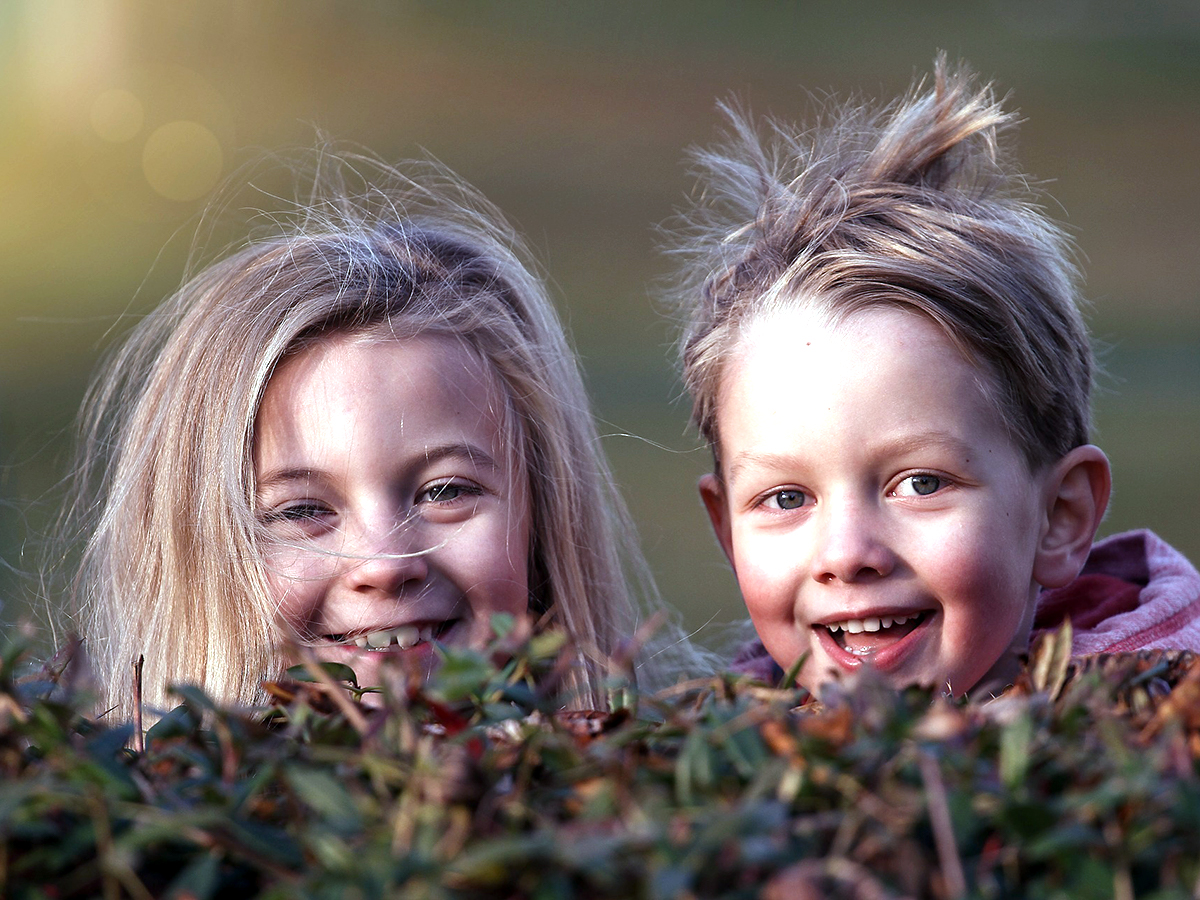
(1079, 782)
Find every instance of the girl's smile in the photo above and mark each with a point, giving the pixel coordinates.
(873, 504)
(393, 514)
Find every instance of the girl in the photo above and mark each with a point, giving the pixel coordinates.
(362, 434)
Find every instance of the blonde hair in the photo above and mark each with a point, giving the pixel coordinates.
(911, 205)
(172, 569)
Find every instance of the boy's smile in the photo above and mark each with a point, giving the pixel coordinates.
(871, 501)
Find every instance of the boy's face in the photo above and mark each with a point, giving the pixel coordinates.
(872, 504)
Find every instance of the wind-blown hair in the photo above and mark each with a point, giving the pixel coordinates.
(911, 205)
(172, 567)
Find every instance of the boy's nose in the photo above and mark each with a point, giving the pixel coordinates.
(850, 545)
(388, 558)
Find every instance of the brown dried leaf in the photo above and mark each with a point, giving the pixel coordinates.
(1050, 661)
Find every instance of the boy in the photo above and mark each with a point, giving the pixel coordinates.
(886, 355)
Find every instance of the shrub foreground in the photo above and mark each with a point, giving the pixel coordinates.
(1082, 781)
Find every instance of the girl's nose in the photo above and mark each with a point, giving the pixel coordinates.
(388, 560)
(850, 544)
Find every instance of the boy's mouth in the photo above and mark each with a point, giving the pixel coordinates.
(867, 636)
(402, 637)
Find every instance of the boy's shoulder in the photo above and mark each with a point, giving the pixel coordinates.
(753, 659)
(1136, 592)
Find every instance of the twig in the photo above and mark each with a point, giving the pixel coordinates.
(943, 828)
(139, 736)
(334, 692)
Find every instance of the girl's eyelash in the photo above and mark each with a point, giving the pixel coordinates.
(294, 512)
(436, 493)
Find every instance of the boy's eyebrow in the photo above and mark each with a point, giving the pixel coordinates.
(455, 449)
(902, 444)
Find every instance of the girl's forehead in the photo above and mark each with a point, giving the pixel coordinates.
(346, 403)
(359, 374)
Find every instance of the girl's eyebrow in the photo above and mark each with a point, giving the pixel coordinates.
(287, 476)
(464, 450)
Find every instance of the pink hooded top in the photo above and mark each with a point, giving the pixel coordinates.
(1136, 592)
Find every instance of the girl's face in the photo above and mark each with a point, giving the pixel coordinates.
(392, 515)
(872, 503)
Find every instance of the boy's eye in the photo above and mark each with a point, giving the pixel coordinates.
(919, 485)
(788, 499)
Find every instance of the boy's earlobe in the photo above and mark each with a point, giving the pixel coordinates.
(712, 492)
(1077, 492)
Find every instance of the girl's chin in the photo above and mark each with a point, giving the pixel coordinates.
(371, 666)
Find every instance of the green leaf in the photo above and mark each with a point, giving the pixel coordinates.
(325, 795)
(336, 671)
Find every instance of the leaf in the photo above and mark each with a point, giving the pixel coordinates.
(1015, 740)
(325, 795)
(198, 880)
(336, 671)
(1050, 661)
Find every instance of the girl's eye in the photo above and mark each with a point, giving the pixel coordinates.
(919, 485)
(787, 499)
(301, 511)
(447, 492)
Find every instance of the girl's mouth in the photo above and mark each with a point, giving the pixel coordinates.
(866, 637)
(402, 637)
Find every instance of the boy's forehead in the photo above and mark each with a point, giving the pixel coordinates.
(811, 325)
(895, 366)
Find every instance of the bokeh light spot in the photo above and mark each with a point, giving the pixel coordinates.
(117, 115)
(182, 160)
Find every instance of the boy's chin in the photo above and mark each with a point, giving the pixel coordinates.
(834, 683)
(998, 679)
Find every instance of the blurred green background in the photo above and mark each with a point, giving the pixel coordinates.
(117, 119)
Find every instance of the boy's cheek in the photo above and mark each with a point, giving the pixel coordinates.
(771, 607)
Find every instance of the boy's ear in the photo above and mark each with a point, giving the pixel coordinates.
(1076, 496)
(712, 492)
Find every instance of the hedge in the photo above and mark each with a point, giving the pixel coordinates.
(1080, 781)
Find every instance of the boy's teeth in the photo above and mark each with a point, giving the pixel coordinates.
(869, 624)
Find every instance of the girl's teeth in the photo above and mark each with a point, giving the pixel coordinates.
(378, 639)
(403, 637)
